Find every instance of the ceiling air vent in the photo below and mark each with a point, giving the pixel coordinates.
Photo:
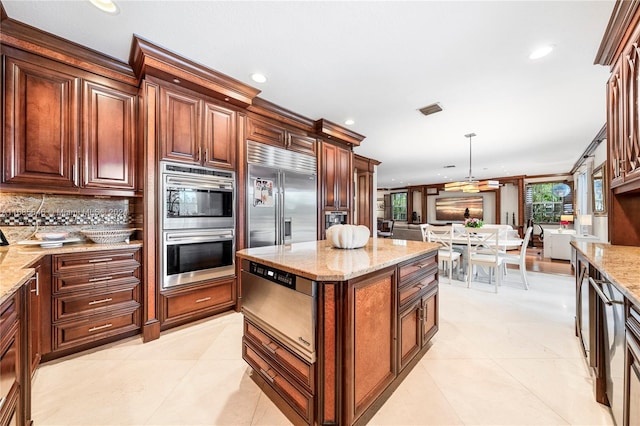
(431, 109)
(450, 166)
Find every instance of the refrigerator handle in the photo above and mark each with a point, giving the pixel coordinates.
(279, 208)
(287, 229)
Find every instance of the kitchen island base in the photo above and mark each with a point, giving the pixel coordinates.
(371, 329)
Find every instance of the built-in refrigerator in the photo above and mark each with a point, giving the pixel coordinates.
(281, 196)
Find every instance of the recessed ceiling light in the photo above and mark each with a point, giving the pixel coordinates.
(258, 78)
(106, 6)
(541, 52)
(349, 122)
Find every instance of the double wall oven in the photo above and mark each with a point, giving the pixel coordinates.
(198, 224)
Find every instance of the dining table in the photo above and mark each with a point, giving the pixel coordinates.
(459, 244)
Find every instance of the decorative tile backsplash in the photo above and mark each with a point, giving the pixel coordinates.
(20, 214)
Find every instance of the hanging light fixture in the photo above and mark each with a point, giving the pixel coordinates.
(470, 185)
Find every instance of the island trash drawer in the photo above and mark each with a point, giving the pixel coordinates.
(95, 327)
(84, 282)
(300, 400)
(88, 303)
(189, 302)
(95, 261)
(409, 271)
(272, 348)
(415, 289)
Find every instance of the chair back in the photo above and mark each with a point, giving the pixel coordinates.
(525, 242)
(386, 230)
(483, 241)
(440, 234)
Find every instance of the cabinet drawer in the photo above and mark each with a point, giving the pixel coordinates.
(409, 271)
(299, 369)
(95, 261)
(202, 299)
(104, 279)
(75, 305)
(298, 399)
(409, 292)
(8, 315)
(77, 332)
(9, 362)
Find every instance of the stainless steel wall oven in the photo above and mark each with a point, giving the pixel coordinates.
(196, 197)
(198, 224)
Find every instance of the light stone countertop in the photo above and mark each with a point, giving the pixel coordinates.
(15, 261)
(319, 261)
(618, 264)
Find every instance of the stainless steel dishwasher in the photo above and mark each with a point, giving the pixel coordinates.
(282, 303)
(612, 307)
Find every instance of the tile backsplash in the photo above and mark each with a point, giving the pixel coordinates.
(22, 214)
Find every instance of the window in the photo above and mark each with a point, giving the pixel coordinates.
(399, 206)
(545, 202)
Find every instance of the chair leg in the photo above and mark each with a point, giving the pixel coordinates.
(469, 272)
(498, 279)
(450, 267)
(523, 273)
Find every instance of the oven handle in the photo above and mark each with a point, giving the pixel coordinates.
(198, 237)
(185, 182)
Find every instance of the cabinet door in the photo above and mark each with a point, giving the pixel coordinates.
(108, 140)
(262, 131)
(429, 317)
(336, 176)
(219, 139)
(41, 113)
(301, 143)
(410, 333)
(615, 127)
(180, 126)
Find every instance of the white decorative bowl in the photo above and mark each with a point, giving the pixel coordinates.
(108, 236)
(51, 236)
(348, 236)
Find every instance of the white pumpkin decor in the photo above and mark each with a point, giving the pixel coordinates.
(348, 236)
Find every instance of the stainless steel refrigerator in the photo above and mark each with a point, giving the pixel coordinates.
(281, 196)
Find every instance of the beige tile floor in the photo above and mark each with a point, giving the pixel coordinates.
(498, 359)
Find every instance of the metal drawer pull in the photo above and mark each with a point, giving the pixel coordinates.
(204, 299)
(100, 327)
(266, 374)
(600, 293)
(95, 302)
(269, 348)
(106, 259)
(92, 280)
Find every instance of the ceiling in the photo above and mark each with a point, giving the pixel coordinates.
(379, 62)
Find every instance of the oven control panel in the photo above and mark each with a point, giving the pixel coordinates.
(277, 276)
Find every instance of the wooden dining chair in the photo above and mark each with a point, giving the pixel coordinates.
(519, 259)
(483, 248)
(442, 235)
(387, 229)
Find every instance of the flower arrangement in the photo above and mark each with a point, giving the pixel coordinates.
(473, 223)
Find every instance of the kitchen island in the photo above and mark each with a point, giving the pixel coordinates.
(372, 312)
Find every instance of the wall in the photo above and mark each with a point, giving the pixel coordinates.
(21, 215)
(509, 205)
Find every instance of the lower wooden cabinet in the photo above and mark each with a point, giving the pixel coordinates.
(291, 377)
(417, 324)
(188, 303)
(39, 286)
(11, 349)
(632, 369)
(95, 298)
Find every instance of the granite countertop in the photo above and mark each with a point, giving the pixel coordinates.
(318, 260)
(618, 264)
(15, 261)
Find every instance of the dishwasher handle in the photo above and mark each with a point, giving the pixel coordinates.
(596, 286)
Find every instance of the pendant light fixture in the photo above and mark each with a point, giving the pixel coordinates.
(470, 185)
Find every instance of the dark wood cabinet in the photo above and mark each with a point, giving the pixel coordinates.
(336, 177)
(12, 410)
(188, 303)
(108, 137)
(41, 122)
(38, 287)
(195, 130)
(65, 132)
(632, 368)
(95, 298)
(274, 134)
(417, 306)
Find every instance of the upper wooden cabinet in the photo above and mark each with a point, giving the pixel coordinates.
(196, 130)
(41, 119)
(66, 131)
(267, 132)
(337, 179)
